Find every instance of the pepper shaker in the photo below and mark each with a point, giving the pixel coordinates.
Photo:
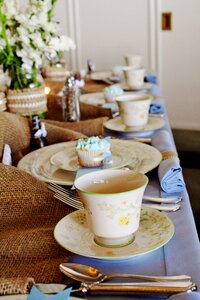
(70, 100)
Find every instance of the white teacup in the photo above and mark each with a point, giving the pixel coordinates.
(112, 200)
(133, 60)
(134, 109)
(134, 78)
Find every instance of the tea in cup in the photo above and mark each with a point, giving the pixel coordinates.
(134, 78)
(133, 60)
(112, 200)
(134, 109)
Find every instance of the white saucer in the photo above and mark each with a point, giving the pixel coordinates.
(145, 86)
(73, 234)
(154, 123)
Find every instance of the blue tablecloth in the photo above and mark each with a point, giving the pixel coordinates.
(179, 256)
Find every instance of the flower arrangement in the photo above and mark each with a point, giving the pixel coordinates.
(28, 36)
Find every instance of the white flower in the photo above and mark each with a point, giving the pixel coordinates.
(2, 43)
(31, 36)
(66, 43)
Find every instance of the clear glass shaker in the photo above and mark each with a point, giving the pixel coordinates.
(71, 100)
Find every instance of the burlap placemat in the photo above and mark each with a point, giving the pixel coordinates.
(15, 130)
(28, 215)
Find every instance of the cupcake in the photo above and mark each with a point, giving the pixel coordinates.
(111, 92)
(92, 151)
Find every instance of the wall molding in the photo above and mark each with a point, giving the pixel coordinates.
(151, 35)
(73, 17)
(154, 36)
(158, 41)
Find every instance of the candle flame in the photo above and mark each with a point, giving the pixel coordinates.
(47, 90)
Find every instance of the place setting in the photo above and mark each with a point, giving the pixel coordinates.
(115, 226)
(134, 119)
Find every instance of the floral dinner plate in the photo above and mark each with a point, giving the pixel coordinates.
(73, 234)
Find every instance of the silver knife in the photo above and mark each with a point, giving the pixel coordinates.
(139, 287)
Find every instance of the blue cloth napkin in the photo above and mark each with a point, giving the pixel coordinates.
(151, 78)
(35, 294)
(169, 170)
(185, 296)
(156, 108)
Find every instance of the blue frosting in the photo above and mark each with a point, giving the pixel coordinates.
(114, 89)
(92, 144)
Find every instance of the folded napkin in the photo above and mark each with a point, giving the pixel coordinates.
(156, 108)
(169, 170)
(35, 294)
(151, 78)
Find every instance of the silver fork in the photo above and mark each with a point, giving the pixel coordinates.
(71, 198)
(73, 194)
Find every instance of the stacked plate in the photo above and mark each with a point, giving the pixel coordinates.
(58, 163)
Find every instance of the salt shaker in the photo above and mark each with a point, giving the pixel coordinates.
(70, 100)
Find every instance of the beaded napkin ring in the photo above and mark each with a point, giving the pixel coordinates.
(168, 154)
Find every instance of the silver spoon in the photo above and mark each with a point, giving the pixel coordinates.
(90, 274)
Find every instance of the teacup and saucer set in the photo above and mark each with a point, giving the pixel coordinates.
(134, 119)
(113, 224)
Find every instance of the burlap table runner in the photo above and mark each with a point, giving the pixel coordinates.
(88, 111)
(86, 127)
(15, 130)
(28, 215)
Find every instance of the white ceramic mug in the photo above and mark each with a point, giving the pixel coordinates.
(134, 78)
(134, 109)
(112, 201)
(133, 60)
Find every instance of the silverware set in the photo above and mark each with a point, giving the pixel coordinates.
(93, 280)
(71, 198)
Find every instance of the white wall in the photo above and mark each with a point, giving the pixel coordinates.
(180, 63)
(105, 30)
